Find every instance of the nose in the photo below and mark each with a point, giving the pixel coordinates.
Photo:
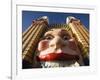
(56, 43)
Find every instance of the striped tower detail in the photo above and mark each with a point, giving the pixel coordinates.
(31, 37)
(81, 34)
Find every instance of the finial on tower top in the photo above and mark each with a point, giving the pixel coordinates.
(70, 18)
(43, 18)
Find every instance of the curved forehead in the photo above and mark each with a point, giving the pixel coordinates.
(57, 32)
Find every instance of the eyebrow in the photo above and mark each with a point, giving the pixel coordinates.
(48, 33)
(63, 30)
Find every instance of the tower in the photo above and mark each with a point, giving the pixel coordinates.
(30, 38)
(81, 34)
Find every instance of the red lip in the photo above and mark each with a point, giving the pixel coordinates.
(57, 56)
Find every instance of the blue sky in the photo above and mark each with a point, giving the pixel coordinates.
(54, 18)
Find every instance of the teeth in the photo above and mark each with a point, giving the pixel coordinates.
(59, 64)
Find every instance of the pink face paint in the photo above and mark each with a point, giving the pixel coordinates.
(43, 45)
(72, 44)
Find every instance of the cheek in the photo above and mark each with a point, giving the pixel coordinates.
(72, 44)
(43, 45)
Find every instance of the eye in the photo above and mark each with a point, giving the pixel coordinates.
(48, 37)
(65, 37)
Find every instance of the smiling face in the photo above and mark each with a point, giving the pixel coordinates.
(57, 44)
